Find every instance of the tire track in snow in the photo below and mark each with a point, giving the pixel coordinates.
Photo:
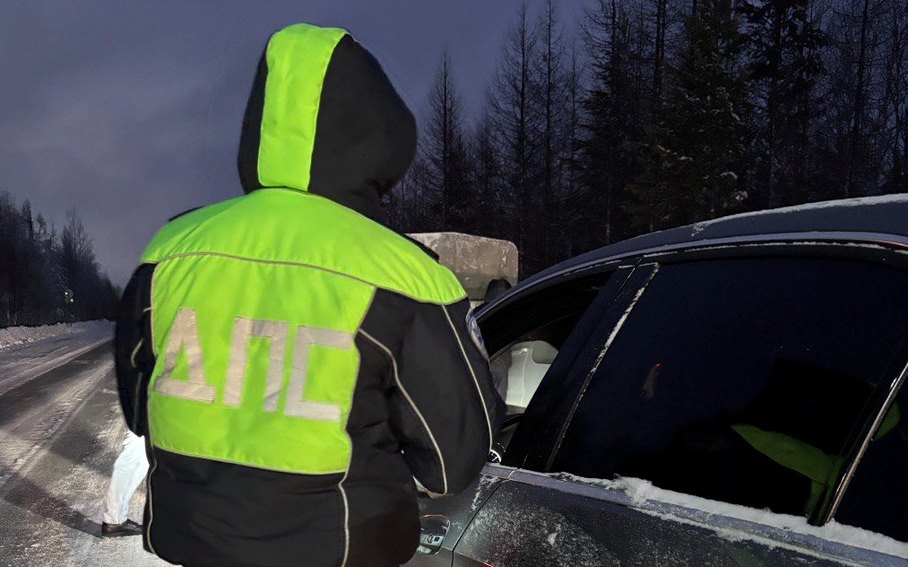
(50, 507)
(33, 412)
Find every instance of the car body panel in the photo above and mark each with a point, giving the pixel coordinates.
(535, 519)
(530, 518)
(884, 217)
(457, 511)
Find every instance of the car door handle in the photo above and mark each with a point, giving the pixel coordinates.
(432, 531)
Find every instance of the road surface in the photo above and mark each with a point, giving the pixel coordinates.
(60, 431)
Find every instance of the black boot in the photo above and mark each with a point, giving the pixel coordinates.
(116, 530)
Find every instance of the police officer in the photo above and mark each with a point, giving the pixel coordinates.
(293, 363)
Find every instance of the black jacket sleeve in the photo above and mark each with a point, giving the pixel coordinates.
(133, 352)
(444, 409)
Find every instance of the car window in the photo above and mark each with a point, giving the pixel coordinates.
(519, 369)
(740, 380)
(527, 335)
(877, 497)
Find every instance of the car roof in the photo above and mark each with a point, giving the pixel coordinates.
(887, 214)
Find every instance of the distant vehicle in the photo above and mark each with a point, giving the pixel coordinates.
(736, 385)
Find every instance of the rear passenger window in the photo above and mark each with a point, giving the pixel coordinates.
(741, 380)
(877, 496)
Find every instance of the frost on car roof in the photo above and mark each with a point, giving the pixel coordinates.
(865, 204)
(887, 214)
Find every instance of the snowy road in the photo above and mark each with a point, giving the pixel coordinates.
(60, 430)
(26, 352)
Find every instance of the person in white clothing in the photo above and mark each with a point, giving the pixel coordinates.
(128, 471)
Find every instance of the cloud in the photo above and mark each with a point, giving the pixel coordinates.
(130, 112)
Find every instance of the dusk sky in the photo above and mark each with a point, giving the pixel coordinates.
(131, 111)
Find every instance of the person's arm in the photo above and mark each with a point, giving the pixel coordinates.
(444, 409)
(133, 352)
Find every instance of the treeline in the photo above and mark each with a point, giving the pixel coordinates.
(648, 114)
(45, 276)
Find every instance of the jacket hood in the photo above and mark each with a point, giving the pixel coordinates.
(324, 118)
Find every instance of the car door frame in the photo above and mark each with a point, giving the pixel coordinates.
(877, 247)
(885, 249)
(566, 361)
(537, 422)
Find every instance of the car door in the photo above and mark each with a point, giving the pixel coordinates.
(876, 494)
(554, 319)
(719, 421)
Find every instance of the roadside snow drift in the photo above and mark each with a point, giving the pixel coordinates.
(14, 336)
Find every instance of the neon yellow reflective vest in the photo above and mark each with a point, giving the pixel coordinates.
(293, 362)
(253, 324)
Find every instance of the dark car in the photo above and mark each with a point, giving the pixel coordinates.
(727, 393)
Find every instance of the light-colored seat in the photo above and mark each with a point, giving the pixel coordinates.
(530, 361)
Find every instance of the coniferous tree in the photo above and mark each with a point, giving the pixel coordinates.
(895, 101)
(659, 42)
(850, 163)
(411, 204)
(743, 105)
(615, 110)
(694, 152)
(784, 59)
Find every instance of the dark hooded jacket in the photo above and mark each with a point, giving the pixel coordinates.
(294, 364)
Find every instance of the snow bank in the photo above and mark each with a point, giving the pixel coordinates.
(13, 336)
(28, 352)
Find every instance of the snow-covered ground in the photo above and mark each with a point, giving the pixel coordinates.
(60, 431)
(13, 336)
(26, 352)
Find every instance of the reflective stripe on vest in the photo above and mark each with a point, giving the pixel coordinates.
(252, 377)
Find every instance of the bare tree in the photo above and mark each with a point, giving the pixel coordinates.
(551, 78)
(494, 208)
(443, 150)
(515, 117)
